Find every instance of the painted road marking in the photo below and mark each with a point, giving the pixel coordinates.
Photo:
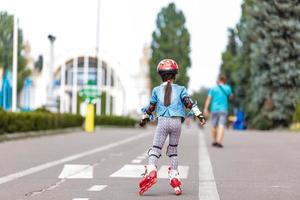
(77, 172)
(81, 199)
(135, 171)
(141, 157)
(207, 185)
(129, 171)
(183, 172)
(97, 188)
(136, 161)
(39, 168)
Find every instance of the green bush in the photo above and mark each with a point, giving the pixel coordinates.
(296, 116)
(35, 121)
(42, 109)
(44, 120)
(114, 121)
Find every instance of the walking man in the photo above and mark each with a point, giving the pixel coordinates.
(217, 101)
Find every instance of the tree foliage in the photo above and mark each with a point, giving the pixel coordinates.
(171, 39)
(275, 62)
(229, 66)
(266, 69)
(6, 48)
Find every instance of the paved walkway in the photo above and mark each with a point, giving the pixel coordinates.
(108, 164)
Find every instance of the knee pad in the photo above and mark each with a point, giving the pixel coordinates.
(172, 150)
(154, 151)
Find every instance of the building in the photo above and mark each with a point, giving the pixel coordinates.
(73, 73)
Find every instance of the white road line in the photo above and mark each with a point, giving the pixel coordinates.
(97, 188)
(135, 171)
(81, 199)
(77, 172)
(183, 171)
(129, 171)
(207, 185)
(38, 168)
(136, 161)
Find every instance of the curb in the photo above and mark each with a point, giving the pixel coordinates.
(31, 134)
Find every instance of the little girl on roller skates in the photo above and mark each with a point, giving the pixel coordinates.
(168, 100)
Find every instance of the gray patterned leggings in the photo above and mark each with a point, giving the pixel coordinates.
(166, 126)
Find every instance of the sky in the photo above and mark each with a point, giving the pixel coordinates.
(125, 28)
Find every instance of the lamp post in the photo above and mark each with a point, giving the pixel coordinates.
(15, 67)
(99, 63)
(51, 67)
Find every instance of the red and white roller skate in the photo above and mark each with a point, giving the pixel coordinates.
(149, 179)
(175, 181)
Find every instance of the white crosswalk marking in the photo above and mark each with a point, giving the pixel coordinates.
(135, 171)
(136, 161)
(54, 163)
(183, 172)
(97, 188)
(129, 171)
(76, 172)
(81, 199)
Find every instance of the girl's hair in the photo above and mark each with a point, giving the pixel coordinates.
(168, 88)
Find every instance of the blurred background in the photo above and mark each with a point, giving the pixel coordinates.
(51, 50)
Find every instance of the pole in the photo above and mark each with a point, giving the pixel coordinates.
(98, 28)
(51, 66)
(62, 87)
(74, 85)
(99, 80)
(15, 67)
(51, 102)
(99, 63)
(108, 86)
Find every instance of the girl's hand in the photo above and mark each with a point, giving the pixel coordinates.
(144, 120)
(201, 119)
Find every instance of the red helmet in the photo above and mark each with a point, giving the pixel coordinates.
(167, 66)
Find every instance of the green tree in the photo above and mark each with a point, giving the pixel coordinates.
(229, 66)
(267, 80)
(244, 39)
(171, 39)
(274, 63)
(236, 58)
(6, 48)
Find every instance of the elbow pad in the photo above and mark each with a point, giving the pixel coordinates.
(187, 102)
(150, 109)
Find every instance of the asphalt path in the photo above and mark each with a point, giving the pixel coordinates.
(108, 163)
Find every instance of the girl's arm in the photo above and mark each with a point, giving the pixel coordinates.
(147, 112)
(188, 102)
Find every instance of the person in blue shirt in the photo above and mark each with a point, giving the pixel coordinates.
(169, 100)
(217, 101)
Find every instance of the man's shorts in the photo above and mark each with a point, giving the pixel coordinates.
(219, 118)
